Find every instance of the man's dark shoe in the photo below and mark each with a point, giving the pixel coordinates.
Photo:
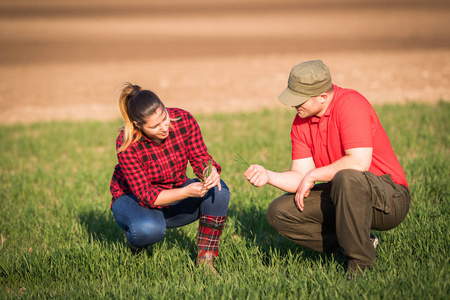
(354, 270)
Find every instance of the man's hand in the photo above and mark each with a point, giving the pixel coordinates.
(257, 175)
(303, 191)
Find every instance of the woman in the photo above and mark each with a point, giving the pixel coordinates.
(150, 189)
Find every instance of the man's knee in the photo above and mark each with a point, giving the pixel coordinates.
(348, 186)
(276, 211)
(271, 214)
(347, 178)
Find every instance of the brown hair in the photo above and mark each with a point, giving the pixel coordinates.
(136, 105)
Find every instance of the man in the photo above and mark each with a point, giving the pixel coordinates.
(338, 143)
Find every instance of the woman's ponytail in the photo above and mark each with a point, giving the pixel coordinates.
(129, 128)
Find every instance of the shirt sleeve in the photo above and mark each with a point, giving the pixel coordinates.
(355, 122)
(136, 176)
(197, 153)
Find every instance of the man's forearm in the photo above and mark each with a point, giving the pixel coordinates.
(356, 159)
(287, 181)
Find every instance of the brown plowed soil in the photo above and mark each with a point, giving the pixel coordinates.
(67, 59)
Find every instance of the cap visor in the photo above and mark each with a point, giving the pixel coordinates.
(287, 97)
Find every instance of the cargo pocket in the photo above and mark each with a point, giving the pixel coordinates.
(382, 189)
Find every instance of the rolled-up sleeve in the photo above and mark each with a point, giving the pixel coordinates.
(198, 153)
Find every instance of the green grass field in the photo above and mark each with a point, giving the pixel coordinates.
(58, 238)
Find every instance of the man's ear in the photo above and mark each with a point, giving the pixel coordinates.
(323, 98)
(136, 124)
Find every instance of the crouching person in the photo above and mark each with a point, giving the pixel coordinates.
(338, 143)
(150, 189)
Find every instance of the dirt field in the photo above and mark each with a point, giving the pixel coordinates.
(67, 60)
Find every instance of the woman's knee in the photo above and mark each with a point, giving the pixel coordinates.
(224, 193)
(146, 232)
(216, 203)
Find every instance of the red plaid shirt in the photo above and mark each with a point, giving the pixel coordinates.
(146, 168)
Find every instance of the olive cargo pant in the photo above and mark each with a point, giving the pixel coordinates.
(340, 214)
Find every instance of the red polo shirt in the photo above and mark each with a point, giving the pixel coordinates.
(349, 122)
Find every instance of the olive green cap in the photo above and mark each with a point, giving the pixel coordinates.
(306, 80)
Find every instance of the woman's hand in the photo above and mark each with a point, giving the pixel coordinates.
(199, 189)
(212, 180)
(257, 175)
(195, 190)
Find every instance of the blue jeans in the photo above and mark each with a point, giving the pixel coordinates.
(146, 226)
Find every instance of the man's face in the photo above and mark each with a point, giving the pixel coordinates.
(312, 107)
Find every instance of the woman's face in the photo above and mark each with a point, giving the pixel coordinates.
(157, 125)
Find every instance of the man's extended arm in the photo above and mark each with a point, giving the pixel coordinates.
(287, 181)
(303, 174)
